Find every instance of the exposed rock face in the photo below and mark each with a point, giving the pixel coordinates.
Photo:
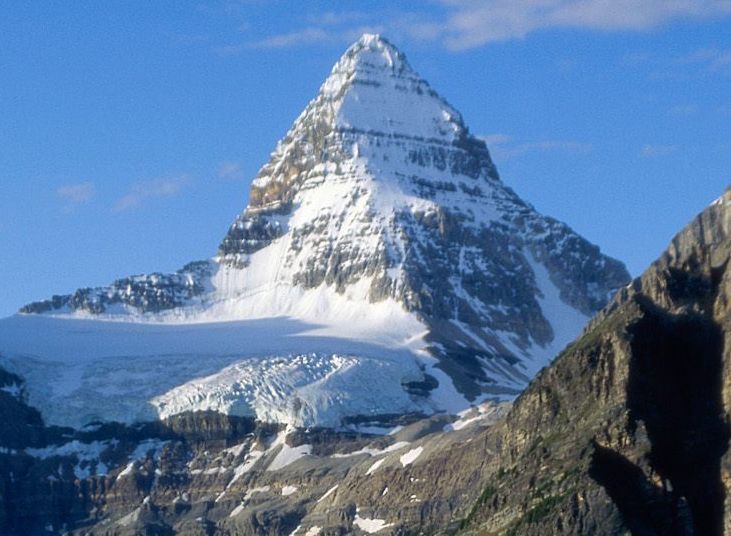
(379, 220)
(628, 431)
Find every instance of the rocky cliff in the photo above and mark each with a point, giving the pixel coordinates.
(628, 431)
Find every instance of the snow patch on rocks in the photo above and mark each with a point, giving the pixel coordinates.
(411, 456)
(370, 525)
(328, 493)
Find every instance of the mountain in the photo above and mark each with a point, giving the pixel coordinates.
(379, 244)
(626, 432)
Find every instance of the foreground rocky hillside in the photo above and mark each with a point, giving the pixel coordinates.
(628, 430)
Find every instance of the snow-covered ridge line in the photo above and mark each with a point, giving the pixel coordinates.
(145, 293)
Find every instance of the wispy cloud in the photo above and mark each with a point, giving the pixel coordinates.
(142, 192)
(465, 24)
(650, 150)
(503, 147)
(684, 66)
(74, 195)
(230, 170)
(312, 34)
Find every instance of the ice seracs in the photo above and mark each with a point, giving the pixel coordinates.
(379, 242)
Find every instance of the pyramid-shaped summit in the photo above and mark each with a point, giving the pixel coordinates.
(371, 95)
(372, 88)
(379, 247)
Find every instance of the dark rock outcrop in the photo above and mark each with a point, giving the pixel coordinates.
(628, 430)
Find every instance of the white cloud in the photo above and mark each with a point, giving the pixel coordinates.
(464, 24)
(229, 170)
(503, 147)
(145, 191)
(75, 195)
(472, 23)
(650, 150)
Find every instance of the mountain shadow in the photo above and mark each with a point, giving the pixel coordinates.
(674, 390)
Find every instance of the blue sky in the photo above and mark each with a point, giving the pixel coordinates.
(130, 130)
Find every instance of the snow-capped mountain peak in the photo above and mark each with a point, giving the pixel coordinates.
(372, 88)
(372, 97)
(379, 242)
(370, 58)
(373, 53)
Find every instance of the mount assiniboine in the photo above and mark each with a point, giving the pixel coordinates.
(381, 269)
